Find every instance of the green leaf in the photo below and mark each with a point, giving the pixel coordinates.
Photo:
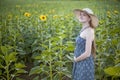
(21, 71)
(1, 66)
(70, 48)
(54, 39)
(45, 78)
(117, 61)
(36, 78)
(4, 49)
(38, 57)
(35, 70)
(19, 78)
(2, 57)
(59, 63)
(21, 51)
(69, 57)
(69, 42)
(62, 36)
(113, 71)
(19, 65)
(0, 72)
(44, 46)
(117, 65)
(67, 73)
(115, 41)
(12, 56)
(36, 49)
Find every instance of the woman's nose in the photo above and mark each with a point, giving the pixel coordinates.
(80, 17)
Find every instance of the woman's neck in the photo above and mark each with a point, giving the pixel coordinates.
(84, 25)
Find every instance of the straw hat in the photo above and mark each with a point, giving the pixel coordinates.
(94, 19)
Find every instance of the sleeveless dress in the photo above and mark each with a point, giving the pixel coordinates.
(84, 69)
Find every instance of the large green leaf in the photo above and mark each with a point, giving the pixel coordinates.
(4, 49)
(70, 48)
(19, 65)
(69, 57)
(21, 51)
(59, 63)
(21, 71)
(35, 70)
(113, 71)
(67, 73)
(12, 56)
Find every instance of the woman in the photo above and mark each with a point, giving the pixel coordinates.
(84, 53)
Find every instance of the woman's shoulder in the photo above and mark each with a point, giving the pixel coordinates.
(89, 30)
(90, 33)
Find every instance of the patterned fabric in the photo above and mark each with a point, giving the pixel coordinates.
(82, 70)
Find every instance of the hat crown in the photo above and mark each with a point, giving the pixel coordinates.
(88, 10)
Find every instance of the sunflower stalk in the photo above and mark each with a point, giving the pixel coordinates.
(60, 74)
(51, 75)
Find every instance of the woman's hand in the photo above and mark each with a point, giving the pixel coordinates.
(75, 59)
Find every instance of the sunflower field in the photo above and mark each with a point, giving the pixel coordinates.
(37, 38)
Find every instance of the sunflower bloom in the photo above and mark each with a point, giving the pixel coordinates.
(43, 17)
(27, 14)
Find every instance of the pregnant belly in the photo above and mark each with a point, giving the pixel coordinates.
(78, 52)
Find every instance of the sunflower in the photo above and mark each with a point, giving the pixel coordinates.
(43, 17)
(27, 14)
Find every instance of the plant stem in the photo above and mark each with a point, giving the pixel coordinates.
(60, 58)
(7, 70)
(50, 61)
(50, 69)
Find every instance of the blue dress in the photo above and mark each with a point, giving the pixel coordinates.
(82, 70)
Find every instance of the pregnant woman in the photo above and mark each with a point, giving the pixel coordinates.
(84, 53)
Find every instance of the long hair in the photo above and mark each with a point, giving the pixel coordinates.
(93, 50)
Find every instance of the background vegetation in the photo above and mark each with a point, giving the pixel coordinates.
(37, 39)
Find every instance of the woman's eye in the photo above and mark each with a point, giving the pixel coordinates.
(84, 14)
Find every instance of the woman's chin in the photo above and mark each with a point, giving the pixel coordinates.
(81, 21)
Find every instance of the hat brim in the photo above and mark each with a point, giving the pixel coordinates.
(94, 18)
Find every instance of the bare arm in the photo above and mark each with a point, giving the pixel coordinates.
(87, 53)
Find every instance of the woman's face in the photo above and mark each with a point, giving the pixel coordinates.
(83, 17)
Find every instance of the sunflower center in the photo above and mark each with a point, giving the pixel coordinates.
(43, 17)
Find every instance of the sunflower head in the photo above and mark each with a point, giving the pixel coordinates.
(27, 14)
(43, 17)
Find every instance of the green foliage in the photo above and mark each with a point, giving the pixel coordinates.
(8, 63)
(49, 44)
(52, 60)
(113, 71)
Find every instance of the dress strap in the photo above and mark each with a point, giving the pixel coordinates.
(83, 29)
